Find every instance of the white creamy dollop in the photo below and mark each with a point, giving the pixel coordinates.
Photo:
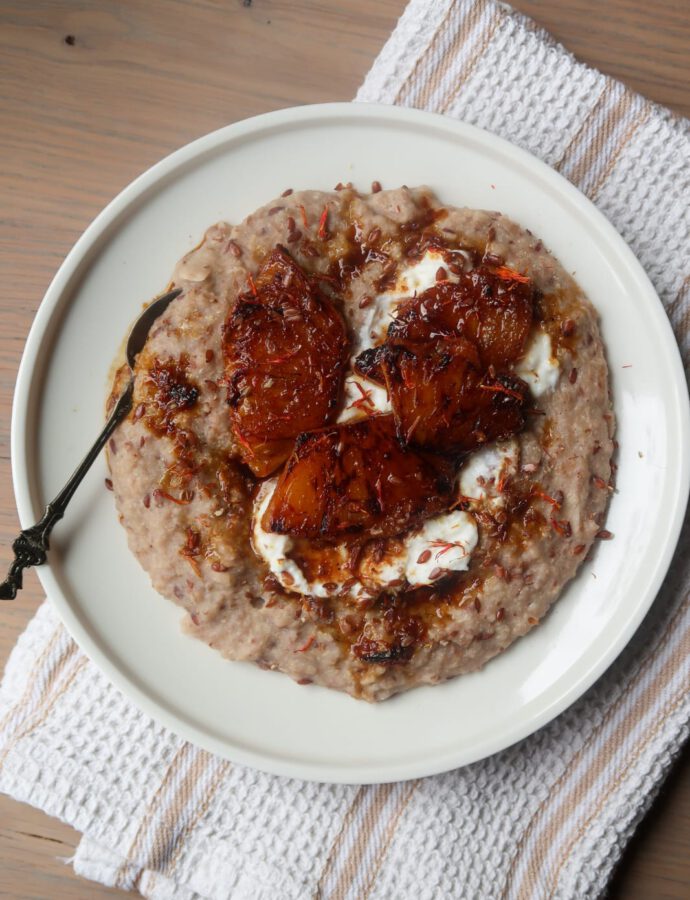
(274, 548)
(422, 275)
(413, 279)
(481, 474)
(442, 544)
(362, 398)
(450, 538)
(538, 366)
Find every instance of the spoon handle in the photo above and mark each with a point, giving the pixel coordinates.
(31, 545)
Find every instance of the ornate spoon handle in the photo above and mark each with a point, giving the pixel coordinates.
(32, 544)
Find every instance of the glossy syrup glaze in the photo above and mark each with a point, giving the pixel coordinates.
(246, 376)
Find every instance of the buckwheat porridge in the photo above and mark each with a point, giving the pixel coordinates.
(370, 442)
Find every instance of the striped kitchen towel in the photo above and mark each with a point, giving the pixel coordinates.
(550, 816)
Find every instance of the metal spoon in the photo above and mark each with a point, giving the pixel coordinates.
(32, 544)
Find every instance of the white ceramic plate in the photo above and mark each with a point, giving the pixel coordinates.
(262, 718)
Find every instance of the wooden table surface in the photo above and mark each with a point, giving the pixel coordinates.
(94, 93)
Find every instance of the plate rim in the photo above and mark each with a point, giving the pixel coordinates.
(22, 414)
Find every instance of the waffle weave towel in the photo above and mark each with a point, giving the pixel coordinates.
(547, 818)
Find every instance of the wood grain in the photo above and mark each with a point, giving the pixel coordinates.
(79, 121)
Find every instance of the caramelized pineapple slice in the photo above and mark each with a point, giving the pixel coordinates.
(443, 400)
(356, 479)
(493, 310)
(285, 348)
